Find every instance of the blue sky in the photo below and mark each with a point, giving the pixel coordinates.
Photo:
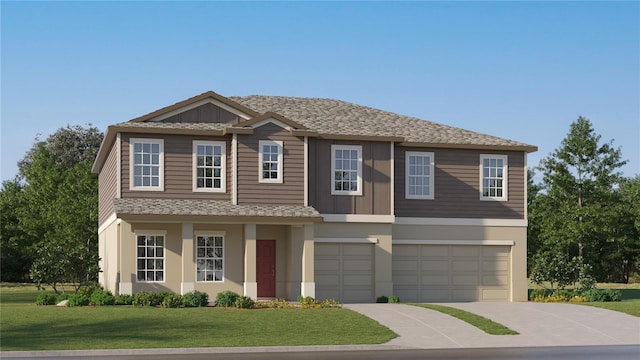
(518, 70)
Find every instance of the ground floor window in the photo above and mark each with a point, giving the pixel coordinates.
(209, 258)
(150, 256)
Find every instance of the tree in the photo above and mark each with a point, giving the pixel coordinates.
(576, 212)
(15, 248)
(60, 206)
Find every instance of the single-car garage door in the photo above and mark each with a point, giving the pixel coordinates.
(427, 273)
(344, 272)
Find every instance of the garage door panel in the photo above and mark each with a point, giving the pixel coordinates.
(493, 266)
(405, 279)
(405, 265)
(357, 249)
(357, 264)
(467, 264)
(327, 264)
(465, 294)
(355, 280)
(435, 265)
(434, 295)
(434, 250)
(406, 295)
(472, 251)
(429, 280)
(465, 280)
(496, 251)
(326, 250)
(495, 295)
(408, 251)
(501, 280)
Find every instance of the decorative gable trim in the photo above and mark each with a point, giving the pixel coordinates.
(272, 117)
(199, 100)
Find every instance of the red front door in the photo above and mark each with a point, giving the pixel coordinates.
(266, 267)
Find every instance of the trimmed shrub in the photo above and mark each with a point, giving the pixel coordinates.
(382, 299)
(602, 295)
(102, 297)
(275, 304)
(62, 297)
(195, 298)
(159, 297)
(539, 294)
(79, 300)
(172, 301)
(226, 298)
(88, 289)
(143, 298)
(244, 302)
(46, 299)
(393, 299)
(124, 299)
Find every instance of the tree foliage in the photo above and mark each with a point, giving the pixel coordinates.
(578, 210)
(16, 253)
(58, 213)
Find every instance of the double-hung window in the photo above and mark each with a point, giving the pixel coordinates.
(270, 161)
(346, 170)
(493, 177)
(419, 175)
(209, 257)
(147, 164)
(209, 166)
(150, 257)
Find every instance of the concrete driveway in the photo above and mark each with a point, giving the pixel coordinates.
(539, 324)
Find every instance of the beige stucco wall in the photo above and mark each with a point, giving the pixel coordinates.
(517, 234)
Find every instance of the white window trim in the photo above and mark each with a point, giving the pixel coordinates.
(224, 253)
(279, 180)
(164, 252)
(505, 178)
(430, 196)
(223, 166)
(132, 142)
(333, 169)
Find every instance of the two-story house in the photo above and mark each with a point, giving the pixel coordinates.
(272, 196)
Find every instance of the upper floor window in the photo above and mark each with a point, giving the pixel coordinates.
(210, 257)
(270, 161)
(147, 164)
(150, 257)
(493, 177)
(419, 175)
(209, 166)
(346, 170)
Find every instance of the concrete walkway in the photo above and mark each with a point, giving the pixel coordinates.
(539, 324)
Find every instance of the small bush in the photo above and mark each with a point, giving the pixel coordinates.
(226, 299)
(79, 300)
(393, 299)
(602, 295)
(159, 297)
(88, 289)
(62, 297)
(143, 298)
(195, 299)
(172, 301)
(275, 304)
(102, 297)
(124, 299)
(244, 302)
(46, 299)
(330, 303)
(382, 299)
(539, 294)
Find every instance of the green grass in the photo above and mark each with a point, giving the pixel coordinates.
(631, 307)
(26, 326)
(482, 323)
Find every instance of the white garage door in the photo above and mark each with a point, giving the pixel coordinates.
(432, 273)
(344, 272)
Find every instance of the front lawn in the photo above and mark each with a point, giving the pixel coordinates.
(482, 323)
(26, 326)
(631, 307)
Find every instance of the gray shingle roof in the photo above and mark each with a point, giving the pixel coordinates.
(187, 207)
(329, 116)
(176, 126)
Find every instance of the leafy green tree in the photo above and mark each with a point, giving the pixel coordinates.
(60, 211)
(15, 247)
(576, 213)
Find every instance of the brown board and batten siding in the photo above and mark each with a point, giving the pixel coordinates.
(457, 186)
(207, 113)
(376, 176)
(178, 168)
(108, 184)
(250, 190)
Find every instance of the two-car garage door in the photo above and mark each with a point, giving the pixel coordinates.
(425, 273)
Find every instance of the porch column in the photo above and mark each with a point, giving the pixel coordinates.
(126, 258)
(308, 285)
(188, 259)
(250, 283)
